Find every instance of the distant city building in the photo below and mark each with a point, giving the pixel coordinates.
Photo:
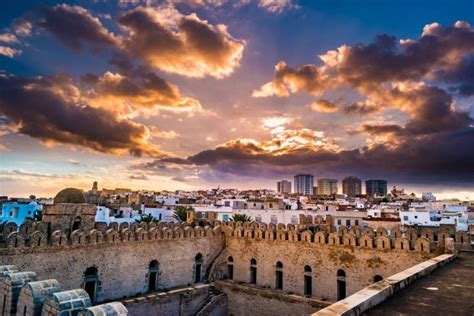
(351, 186)
(18, 212)
(304, 184)
(376, 187)
(327, 186)
(284, 186)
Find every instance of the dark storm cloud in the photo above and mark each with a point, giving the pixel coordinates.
(361, 108)
(381, 129)
(382, 61)
(460, 76)
(74, 26)
(51, 109)
(444, 156)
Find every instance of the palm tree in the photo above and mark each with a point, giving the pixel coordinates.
(241, 218)
(147, 218)
(181, 213)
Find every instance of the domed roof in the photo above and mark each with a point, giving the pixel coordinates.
(70, 195)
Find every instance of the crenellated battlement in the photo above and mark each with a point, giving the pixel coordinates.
(35, 235)
(410, 239)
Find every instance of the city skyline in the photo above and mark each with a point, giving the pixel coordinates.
(196, 94)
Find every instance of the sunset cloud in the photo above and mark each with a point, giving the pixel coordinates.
(323, 105)
(307, 78)
(51, 109)
(446, 151)
(74, 26)
(276, 6)
(149, 92)
(181, 44)
(386, 77)
(9, 51)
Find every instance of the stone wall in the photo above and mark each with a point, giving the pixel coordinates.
(360, 255)
(184, 301)
(121, 258)
(246, 300)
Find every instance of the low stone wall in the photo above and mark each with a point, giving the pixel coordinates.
(248, 300)
(380, 291)
(183, 301)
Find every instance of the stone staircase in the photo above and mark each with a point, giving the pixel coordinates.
(216, 305)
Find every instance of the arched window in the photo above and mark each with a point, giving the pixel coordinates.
(91, 278)
(230, 268)
(308, 281)
(279, 275)
(253, 271)
(341, 285)
(378, 278)
(197, 268)
(153, 273)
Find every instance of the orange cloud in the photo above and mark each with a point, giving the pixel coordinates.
(53, 110)
(181, 44)
(121, 94)
(307, 78)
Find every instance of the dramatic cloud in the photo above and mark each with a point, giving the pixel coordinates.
(391, 78)
(8, 38)
(272, 6)
(148, 92)
(459, 76)
(323, 105)
(307, 78)
(276, 6)
(51, 109)
(431, 140)
(74, 26)
(8, 51)
(382, 61)
(182, 44)
(362, 107)
(449, 158)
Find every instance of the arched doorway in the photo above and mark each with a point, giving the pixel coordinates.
(378, 278)
(341, 285)
(153, 272)
(76, 223)
(197, 268)
(279, 276)
(308, 281)
(230, 268)
(91, 278)
(253, 271)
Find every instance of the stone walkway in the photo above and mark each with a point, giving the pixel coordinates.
(448, 290)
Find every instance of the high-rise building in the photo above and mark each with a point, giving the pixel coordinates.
(327, 186)
(304, 184)
(376, 187)
(351, 186)
(284, 186)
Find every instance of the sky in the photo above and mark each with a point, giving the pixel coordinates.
(195, 94)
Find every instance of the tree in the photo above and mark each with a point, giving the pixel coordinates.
(181, 213)
(147, 218)
(38, 216)
(241, 218)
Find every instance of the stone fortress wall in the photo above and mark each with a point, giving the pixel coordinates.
(121, 257)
